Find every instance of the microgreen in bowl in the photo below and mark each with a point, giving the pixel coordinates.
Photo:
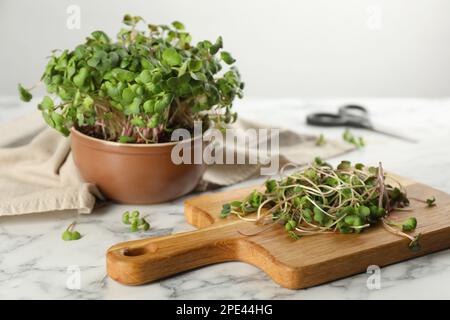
(140, 87)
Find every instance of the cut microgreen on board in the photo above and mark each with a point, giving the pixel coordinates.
(69, 234)
(350, 138)
(321, 199)
(134, 221)
(406, 226)
(430, 202)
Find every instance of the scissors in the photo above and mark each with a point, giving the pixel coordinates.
(350, 116)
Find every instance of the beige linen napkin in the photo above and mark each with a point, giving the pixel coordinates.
(37, 172)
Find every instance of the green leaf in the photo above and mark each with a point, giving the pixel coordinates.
(319, 216)
(80, 119)
(59, 121)
(345, 229)
(128, 20)
(128, 95)
(183, 68)
(173, 82)
(67, 235)
(199, 76)
(255, 199)
(153, 122)
(133, 108)
(294, 236)
(178, 25)
(48, 119)
(57, 79)
(216, 46)
(126, 139)
(146, 64)
(152, 27)
(195, 65)
(226, 57)
(88, 102)
(149, 106)
(431, 202)
(344, 165)
(236, 204)
(57, 118)
(75, 236)
(171, 57)
(414, 245)
(138, 122)
(163, 103)
(144, 77)
(100, 36)
(80, 78)
(93, 62)
(123, 75)
(321, 140)
(307, 215)
(46, 104)
(226, 210)
(271, 185)
(80, 51)
(364, 211)
(77, 98)
(409, 224)
(25, 95)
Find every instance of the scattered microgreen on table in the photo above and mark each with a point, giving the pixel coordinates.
(138, 89)
(134, 221)
(321, 199)
(69, 234)
(350, 138)
(321, 141)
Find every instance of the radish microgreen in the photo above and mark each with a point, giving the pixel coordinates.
(69, 234)
(350, 138)
(140, 87)
(135, 222)
(321, 199)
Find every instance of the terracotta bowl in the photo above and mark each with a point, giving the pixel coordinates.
(134, 173)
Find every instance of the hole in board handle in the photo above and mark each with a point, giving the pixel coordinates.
(139, 251)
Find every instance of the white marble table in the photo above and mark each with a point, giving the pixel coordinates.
(34, 261)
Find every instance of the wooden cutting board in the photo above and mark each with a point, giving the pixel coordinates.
(291, 263)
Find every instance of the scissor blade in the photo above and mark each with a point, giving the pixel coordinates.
(393, 134)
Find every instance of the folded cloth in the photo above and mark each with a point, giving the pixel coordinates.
(37, 172)
(38, 175)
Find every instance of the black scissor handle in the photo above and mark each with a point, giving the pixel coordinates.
(349, 115)
(354, 110)
(325, 119)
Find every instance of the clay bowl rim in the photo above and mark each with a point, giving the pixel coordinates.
(112, 146)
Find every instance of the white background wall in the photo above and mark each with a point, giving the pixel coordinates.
(284, 48)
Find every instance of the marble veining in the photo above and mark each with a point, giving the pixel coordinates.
(36, 264)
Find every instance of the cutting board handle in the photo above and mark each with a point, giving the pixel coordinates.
(141, 261)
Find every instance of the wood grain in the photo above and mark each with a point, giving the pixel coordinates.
(292, 264)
